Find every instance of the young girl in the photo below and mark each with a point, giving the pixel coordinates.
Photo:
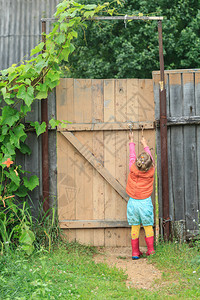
(139, 188)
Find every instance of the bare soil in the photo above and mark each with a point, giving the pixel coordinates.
(141, 274)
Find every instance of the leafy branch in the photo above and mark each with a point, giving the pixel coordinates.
(21, 85)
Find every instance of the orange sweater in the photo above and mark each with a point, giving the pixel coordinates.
(140, 184)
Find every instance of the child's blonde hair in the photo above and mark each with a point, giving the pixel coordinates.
(144, 162)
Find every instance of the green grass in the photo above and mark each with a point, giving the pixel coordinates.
(180, 264)
(69, 272)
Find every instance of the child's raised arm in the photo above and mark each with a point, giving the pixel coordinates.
(146, 147)
(132, 155)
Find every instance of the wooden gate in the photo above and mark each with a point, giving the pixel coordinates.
(93, 154)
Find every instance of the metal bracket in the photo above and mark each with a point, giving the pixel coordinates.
(166, 220)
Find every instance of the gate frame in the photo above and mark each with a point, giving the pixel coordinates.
(163, 123)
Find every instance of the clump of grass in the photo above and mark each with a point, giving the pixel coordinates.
(181, 269)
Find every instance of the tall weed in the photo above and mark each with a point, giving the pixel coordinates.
(20, 230)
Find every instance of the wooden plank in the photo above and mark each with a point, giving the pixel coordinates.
(67, 190)
(98, 151)
(106, 126)
(117, 237)
(75, 224)
(185, 120)
(84, 170)
(70, 169)
(109, 148)
(190, 155)
(176, 166)
(121, 144)
(64, 100)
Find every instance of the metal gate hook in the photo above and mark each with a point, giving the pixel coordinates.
(130, 126)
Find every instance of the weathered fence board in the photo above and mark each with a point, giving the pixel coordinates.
(93, 156)
(183, 92)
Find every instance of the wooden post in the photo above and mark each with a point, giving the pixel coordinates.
(45, 150)
(163, 138)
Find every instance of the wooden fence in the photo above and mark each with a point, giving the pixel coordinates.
(183, 111)
(93, 154)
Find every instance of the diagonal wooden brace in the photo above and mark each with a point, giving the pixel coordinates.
(96, 164)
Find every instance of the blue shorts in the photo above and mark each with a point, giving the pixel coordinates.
(140, 212)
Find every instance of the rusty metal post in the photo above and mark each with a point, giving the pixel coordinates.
(163, 138)
(45, 150)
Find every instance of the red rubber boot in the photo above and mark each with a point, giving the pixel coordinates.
(150, 247)
(136, 253)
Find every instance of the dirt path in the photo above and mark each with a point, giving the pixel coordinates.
(141, 274)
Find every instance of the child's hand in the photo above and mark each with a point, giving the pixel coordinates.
(131, 137)
(144, 142)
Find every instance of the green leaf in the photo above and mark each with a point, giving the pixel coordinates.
(26, 94)
(71, 47)
(24, 109)
(61, 39)
(27, 237)
(11, 69)
(54, 123)
(12, 175)
(13, 139)
(12, 187)
(2, 138)
(41, 95)
(40, 66)
(89, 14)
(40, 128)
(6, 96)
(4, 72)
(27, 67)
(9, 116)
(90, 6)
(18, 135)
(37, 49)
(64, 26)
(31, 183)
(22, 191)
(4, 129)
(26, 240)
(8, 149)
(54, 76)
(12, 76)
(63, 16)
(28, 248)
(24, 149)
(65, 54)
